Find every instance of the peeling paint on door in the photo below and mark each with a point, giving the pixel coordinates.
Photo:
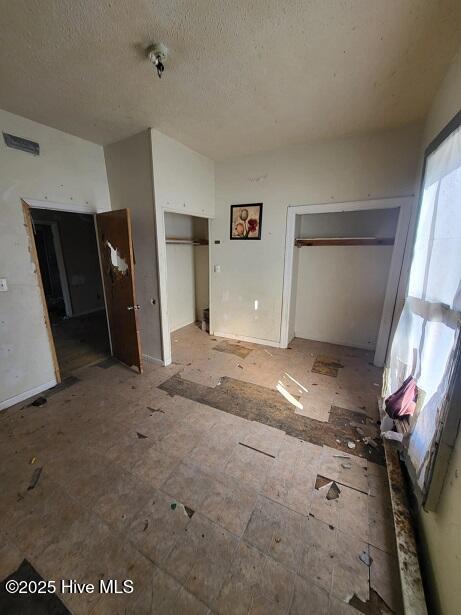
(118, 262)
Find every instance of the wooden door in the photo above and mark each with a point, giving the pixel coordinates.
(115, 245)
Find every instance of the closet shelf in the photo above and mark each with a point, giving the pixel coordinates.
(187, 242)
(344, 241)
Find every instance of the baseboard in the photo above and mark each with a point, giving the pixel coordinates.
(251, 340)
(335, 343)
(150, 359)
(7, 403)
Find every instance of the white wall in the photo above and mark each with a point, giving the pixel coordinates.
(180, 226)
(129, 170)
(181, 285)
(180, 271)
(69, 171)
(375, 165)
(365, 223)
(184, 181)
(340, 293)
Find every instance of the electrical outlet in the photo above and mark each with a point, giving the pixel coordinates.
(3, 284)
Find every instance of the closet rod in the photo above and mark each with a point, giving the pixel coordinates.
(344, 241)
(187, 242)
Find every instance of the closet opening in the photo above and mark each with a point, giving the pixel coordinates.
(187, 267)
(342, 275)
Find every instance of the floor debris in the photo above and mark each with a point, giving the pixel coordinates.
(346, 466)
(370, 442)
(32, 460)
(322, 481)
(327, 366)
(188, 511)
(351, 445)
(146, 525)
(235, 349)
(173, 505)
(141, 436)
(35, 478)
(365, 559)
(375, 605)
(154, 410)
(257, 450)
(333, 492)
(40, 401)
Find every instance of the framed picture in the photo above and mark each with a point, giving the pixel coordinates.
(246, 220)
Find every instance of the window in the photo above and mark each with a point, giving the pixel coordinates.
(426, 339)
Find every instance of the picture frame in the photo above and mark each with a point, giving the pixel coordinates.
(246, 221)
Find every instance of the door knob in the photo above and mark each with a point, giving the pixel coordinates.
(134, 307)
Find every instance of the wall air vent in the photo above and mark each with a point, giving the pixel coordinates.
(31, 147)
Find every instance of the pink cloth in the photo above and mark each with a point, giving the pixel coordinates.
(403, 402)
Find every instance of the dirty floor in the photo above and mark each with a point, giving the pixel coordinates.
(80, 341)
(179, 481)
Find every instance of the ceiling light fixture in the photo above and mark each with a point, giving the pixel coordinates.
(157, 54)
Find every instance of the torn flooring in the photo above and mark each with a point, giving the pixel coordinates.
(249, 531)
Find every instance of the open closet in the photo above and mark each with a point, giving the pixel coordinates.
(340, 273)
(187, 270)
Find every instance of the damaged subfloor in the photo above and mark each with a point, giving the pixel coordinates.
(240, 479)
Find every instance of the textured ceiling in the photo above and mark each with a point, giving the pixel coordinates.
(242, 75)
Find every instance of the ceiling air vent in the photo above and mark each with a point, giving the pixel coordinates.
(31, 147)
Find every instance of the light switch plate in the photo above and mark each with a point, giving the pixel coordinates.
(3, 284)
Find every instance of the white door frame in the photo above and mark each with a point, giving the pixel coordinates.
(163, 275)
(404, 204)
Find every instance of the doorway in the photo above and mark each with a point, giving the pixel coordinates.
(187, 271)
(67, 254)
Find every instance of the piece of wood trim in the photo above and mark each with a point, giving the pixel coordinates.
(245, 338)
(185, 241)
(414, 601)
(344, 241)
(34, 257)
